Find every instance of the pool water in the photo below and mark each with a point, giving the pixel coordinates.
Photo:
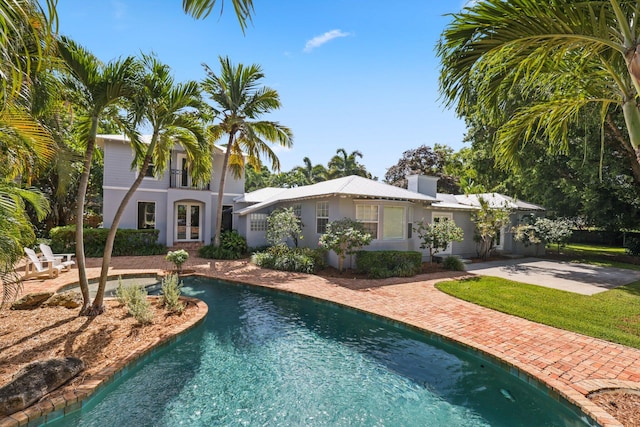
(266, 359)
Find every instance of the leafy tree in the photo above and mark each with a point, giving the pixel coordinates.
(345, 237)
(489, 220)
(239, 102)
(343, 164)
(527, 232)
(256, 179)
(556, 232)
(495, 52)
(437, 235)
(283, 224)
(169, 109)
(94, 87)
(291, 179)
(424, 161)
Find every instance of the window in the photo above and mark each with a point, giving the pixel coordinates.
(258, 222)
(150, 173)
(146, 215)
(297, 210)
(393, 222)
(368, 216)
(322, 217)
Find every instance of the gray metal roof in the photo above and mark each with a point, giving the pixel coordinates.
(352, 186)
(497, 200)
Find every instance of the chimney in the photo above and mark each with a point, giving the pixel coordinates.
(423, 184)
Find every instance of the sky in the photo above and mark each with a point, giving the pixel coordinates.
(353, 74)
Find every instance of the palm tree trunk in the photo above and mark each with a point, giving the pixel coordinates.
(634, 157)
(82, 193)
(225, 164)
(98, 302)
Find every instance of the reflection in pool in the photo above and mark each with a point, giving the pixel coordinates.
(262, 358)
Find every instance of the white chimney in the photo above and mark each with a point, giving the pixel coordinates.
(423, 184)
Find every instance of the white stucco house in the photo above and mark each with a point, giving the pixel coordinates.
(185, 215)
(182, 212)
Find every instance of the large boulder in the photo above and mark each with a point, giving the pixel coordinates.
(31, 301)
(68, 299)
(35, 380)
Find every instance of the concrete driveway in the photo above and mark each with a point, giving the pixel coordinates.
(579, 278)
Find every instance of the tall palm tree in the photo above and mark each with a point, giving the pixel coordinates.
(169, 108)
(312, 173)
(343, 164)
(95, 88)
(563, 57)
(239, 100)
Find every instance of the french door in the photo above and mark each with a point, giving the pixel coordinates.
(188, 220)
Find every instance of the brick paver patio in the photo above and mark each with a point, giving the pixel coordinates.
(571, 364)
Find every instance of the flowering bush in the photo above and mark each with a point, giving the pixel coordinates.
(344, 237)
(437, 235)
(178, 258)
(283, 224)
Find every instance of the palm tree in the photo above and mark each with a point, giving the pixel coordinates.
(95, 88)
(563, 57)
(343, 164)
(169, 109)
(312, 173)
(202, 8)
(239, 101)
(25, 40)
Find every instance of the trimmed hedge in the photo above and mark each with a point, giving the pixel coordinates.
(128, 242)
(383, 264)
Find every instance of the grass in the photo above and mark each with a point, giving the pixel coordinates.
(600, 255)
(612, 315)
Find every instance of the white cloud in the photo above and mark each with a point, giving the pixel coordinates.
(318, 41)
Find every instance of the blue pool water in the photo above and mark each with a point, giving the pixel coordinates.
(266, 359)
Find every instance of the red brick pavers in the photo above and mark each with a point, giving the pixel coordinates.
(569, 363)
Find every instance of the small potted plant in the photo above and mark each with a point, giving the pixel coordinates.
(178, 258)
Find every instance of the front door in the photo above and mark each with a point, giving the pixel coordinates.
(188, 219)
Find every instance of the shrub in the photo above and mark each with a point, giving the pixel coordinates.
(171, 290)
(212, 252)
(178, 258)
(135, 298)
(282, 225)
(344, 236)
(232, 241)
(632, 246)
(127, 243)
(280, 257)
(382, 264)
(453, 263)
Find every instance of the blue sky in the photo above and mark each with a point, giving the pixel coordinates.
(353, 74)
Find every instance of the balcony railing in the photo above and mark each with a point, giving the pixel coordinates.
(180, 178)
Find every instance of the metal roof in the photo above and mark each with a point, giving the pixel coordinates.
(352, 186)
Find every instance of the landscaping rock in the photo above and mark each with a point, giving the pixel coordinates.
(35, 380)
(31, 301)
(68, 299)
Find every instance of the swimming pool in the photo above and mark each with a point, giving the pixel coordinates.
(262, 358)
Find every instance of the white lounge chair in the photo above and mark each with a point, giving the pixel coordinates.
(36, 267)
(58, 259)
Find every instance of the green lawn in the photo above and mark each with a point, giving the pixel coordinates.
(612, 315)
(603, 256)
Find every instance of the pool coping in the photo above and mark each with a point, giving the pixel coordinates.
(325, 289)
